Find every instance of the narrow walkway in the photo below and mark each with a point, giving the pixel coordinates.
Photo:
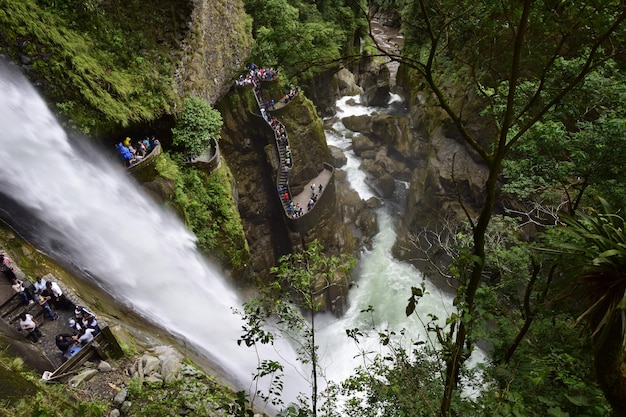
(303, 198)
(294, 205)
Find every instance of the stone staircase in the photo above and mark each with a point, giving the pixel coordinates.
(282, 144)
(285, 161)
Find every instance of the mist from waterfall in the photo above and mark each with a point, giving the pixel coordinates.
(95, 217)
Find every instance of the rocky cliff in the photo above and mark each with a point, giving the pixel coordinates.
(447, 171)
(248, 144)
(217, 43)
(414, 142)
(110, 66)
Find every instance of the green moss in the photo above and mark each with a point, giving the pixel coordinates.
(166, 167)
(98, 73)
(223, 233)
(22, 395)
(208, 208)
(196, 394)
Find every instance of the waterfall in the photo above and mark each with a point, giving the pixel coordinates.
(98, 219)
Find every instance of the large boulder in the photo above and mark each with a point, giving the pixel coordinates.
(352, 204)
(82, 377)
(368, 221)
(150, 364)
(394, 165)
(385, 185)
(361, 144)
(346, 83)
(362, 123)
(339, 158)
(395, 132)
(374, 79)
(380, 180)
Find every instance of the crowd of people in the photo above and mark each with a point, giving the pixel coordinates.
(48, 295)
(314, 196)
(133, 152)
(255, 74)
(253, 77)
(289, 95)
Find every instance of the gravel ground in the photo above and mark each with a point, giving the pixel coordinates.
(50, 328)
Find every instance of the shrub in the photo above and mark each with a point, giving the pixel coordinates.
(197, 124)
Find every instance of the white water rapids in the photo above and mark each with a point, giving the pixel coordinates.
(384, 282)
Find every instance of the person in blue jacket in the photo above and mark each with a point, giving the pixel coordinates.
(125, 154)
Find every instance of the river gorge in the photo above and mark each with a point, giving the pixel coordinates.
(88, 214)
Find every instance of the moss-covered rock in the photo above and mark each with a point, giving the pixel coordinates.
(444, 165)
(214, 50)
(108, 64)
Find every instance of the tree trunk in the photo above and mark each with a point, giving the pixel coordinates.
(609, 360)
(529, 315)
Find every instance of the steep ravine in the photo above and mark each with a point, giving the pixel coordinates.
(247, 143)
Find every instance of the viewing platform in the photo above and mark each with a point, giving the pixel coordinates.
(53, 364)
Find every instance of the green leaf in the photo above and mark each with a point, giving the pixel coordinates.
(410, 308)
(557, 412)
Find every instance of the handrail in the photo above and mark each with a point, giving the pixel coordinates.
(285, 161)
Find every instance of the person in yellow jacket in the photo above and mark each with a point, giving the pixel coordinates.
(126, 142)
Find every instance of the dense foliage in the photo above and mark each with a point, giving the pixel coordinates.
(207, 206)
(570, 157)
(196, 126)
(300, 36)
(93, 63)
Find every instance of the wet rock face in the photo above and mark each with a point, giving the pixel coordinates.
(218, 44)
(419, 145)
(445, 170)
(374, 79)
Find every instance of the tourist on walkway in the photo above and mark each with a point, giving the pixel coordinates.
(40, 284)
(54, 294)
(64, 341)
(6, 266)
(85, 336)
(18, 287)
(28, 323)
(43, 302)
